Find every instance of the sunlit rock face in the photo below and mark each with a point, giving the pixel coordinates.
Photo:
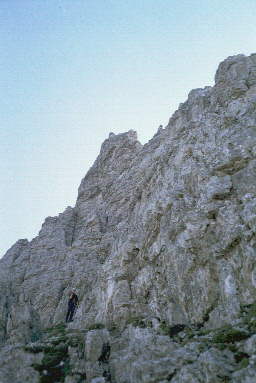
(163, 233)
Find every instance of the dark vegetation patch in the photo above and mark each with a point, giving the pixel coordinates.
(212, 214)
(112, 327)
(171, 330)
(244, 363)
(240, 356)
(57, 330)
(229, 334)
(137, 322)
(96, 326)
(104, 361)
(224, 379)
(54, 366)
(36, 336)
(55, 362)
(249, 312)
(105, 353)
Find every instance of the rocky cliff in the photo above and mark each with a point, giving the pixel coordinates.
(161, 247)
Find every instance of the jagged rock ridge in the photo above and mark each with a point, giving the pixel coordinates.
(161, 235)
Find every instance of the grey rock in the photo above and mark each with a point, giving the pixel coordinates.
(16, 365)
(161, 234)
(250, 345)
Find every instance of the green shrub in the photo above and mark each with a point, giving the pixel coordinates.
(59, 339)
(203, 332)
(164, 327)
(229, 335)
(240, 356)
(36, 336)
(221, 346)
(225, 379)
(96, 326)
(250, 311)
(54, 365)
(34, 348)
(137, 322)
(112, 326)
(58, 329)
(76, 341)
(54, 357)
(232, 347)
(249, 316)
(174, 330)
(244, 363)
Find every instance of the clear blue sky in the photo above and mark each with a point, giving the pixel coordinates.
(71, 71)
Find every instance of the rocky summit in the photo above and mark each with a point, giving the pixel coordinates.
(161, 249)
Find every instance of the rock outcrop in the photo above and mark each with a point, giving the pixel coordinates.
(161, 247)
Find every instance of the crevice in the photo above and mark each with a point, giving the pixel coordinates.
(104, 361)
(225, 253)
(171, 375)
(75, 217)
(232, 167)
(212, 214)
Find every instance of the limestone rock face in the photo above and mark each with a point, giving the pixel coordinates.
(161, 235)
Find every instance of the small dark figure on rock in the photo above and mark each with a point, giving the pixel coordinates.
(72, 305)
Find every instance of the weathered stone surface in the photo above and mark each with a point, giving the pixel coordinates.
(161, 235)
(16, 365)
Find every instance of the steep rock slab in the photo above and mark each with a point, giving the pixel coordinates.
(163, 232)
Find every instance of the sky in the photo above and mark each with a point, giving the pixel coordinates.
(72, 71)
